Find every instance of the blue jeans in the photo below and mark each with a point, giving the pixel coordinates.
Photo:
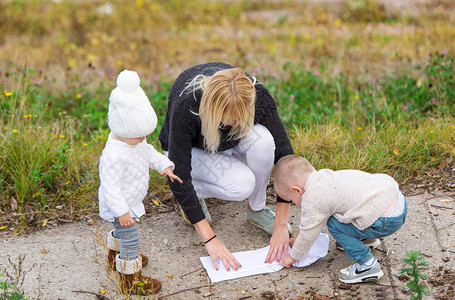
(129, 239)
(350, 236)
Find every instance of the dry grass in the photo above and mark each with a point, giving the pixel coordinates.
(161, 38)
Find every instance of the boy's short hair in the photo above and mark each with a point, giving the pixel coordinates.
(288, 169)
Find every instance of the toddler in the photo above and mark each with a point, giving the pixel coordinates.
(124, 175)
(357, 207)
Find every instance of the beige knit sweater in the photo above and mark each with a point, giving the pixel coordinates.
(351, 196)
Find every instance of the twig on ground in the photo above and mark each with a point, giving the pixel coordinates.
(185, 290)
(438, 206)
(386, 285)
(444, 227)
(98, 296)
(283, 277)
(420, 193)
(191, 272)
(428, 287)
(64, 221)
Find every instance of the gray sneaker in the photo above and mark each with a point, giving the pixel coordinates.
(204, 209)
(357, 273)
(372, 243)
(263, 219)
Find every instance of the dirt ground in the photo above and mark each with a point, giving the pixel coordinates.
(67, 258)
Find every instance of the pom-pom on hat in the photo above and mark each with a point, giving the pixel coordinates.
(130, 113)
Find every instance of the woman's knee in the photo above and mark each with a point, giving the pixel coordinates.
(242, 186)
(261, 142)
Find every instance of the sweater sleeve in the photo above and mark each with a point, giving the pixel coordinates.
(267, 114)
(311, 224)
(182, 130)
(158, 161)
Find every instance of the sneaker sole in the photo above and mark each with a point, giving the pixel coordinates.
(256, 224)
(364, 279)
(187, 222)
(372, 245)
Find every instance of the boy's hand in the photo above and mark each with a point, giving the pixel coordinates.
(287, 260)
(126, 220)
(171, 175)
(292, 241)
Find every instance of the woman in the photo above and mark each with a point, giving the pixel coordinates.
(218, 117)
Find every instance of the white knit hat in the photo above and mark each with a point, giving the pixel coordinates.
(130, 113)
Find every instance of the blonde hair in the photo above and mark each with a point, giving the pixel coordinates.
(228, 96)
(290, 169)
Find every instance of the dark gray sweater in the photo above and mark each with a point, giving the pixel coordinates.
(181, 132)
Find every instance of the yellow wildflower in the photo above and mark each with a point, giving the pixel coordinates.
(359, 128)
(337, 22)
(419, 82)
(7, 94)
(78, 96)
(62, 136)
(85, 145)
(15, 130)
(120, 62)
(396, 152)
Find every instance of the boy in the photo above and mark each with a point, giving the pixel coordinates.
(355, 205)
(124, 175)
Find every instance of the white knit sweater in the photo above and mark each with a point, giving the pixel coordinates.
(124, 176)
(351, 196)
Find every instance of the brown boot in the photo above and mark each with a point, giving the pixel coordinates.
(113, 246)
(131, 279)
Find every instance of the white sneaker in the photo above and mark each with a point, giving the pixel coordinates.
(357, 273)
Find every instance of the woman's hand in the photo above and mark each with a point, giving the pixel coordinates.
(168, 171)
(126, 220)
(279, 244)
(287, 260)
(216, 249)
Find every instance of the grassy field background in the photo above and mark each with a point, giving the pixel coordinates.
(359, 83)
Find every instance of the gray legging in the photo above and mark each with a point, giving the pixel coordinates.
(129, 239)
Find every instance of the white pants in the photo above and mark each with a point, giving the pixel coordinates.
(224, 175)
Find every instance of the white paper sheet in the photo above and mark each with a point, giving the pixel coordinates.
(253, 261)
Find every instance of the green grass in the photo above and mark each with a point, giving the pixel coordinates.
(9, 291)
(401, 125)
